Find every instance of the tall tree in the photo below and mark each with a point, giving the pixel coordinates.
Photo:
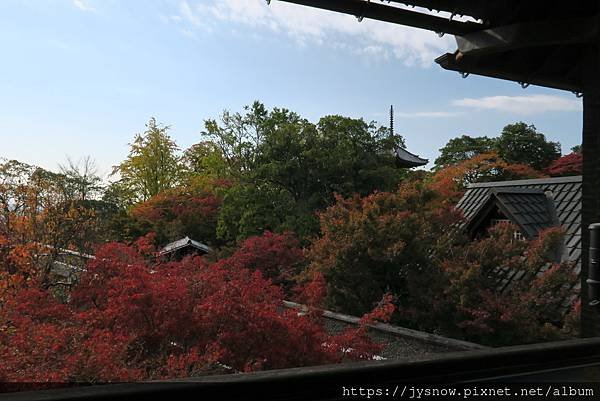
(520, 143)
(288, 168)
(384, 242)
(206, 159)
(41, 214)
(463, 148)
(152, 165)
(83, 175)
(238, 136)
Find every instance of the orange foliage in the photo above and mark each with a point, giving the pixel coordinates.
(451, 181)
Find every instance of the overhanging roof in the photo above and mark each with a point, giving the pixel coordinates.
(540, 42)
(397, 15)
(406, 159)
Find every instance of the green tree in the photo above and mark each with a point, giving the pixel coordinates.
(348, 156)
(253, 209)
(463, 148)
(206, 159)
(288, 168)
(238, 136)
(520, 143)
(152, 165)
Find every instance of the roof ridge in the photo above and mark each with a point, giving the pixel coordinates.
(547, 180)
(517, 190)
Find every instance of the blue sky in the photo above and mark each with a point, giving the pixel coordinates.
(81, 77)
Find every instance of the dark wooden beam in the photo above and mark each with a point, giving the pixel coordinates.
(504, 12)
(475, 9)
(528, 35)
(508, 67)
(396, 15)
(590, 210)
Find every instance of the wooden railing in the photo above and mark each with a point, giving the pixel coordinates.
(569, 360)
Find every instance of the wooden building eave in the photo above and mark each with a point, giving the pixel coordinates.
(544, 53)
(395, 15)
(529, 35)
(549, 71)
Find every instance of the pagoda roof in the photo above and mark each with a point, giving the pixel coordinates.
(406, 159)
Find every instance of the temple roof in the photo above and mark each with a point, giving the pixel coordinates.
(531, 209)
(524, 203)
(406, 159)
(184, 243)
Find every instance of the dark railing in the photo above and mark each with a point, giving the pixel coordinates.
(573, 360)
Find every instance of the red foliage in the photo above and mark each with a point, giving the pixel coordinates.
(519, 314)
(131, 320)
(277, 256)
(381, 243)
(571, 164)
(407, 243)
(313, 292)
(181, 212)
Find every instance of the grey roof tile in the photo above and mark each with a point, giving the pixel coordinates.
(523, 199)
(183, 243)
(406, 159)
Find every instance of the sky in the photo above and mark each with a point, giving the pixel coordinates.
(82, 77)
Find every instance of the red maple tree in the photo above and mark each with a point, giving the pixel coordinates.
(183, 211)
(133, 318)
(571, 164)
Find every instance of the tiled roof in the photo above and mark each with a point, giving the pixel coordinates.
(529, 208)
(398, 342)
(564, 191)
(406, 159)
(523, 203)
(183, 243)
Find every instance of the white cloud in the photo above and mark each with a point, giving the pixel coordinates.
(307, 25)
(188, 14)
(83, 6)
(430, 114)
(188, 18)
(523, 105)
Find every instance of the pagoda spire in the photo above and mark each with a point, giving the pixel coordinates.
(392, 121)
(403, 157)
